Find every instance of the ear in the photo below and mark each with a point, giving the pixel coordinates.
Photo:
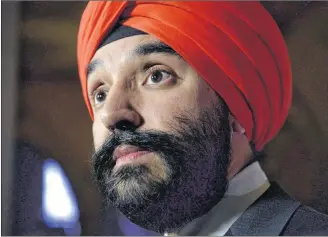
(235, 125)
(240, 149)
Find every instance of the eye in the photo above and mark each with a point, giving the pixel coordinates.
(100, 96)
(158, 76)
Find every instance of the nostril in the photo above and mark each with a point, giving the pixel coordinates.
(125, 125)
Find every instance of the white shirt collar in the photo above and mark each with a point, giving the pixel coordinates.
(243, 190)
(249, 179)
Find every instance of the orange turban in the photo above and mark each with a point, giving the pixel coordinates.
(235, 46)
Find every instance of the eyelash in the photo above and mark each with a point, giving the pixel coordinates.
(156, 68)
(95, 87)
(151, 68)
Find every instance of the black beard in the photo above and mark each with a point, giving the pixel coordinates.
(195, 160)
(107, 179)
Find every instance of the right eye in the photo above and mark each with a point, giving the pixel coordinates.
(99, 97)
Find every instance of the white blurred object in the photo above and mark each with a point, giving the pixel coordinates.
(59, 204)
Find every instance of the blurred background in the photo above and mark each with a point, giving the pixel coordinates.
(46, 130)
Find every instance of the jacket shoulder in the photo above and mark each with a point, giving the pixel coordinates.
(307, 221)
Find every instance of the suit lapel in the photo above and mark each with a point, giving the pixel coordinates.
(267, 216)
(229, 233)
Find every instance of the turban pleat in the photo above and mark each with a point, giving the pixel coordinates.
(235, 46)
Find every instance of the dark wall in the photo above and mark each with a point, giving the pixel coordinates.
(298, 157)
(9, 54)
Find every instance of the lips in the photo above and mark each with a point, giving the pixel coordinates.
(127, 150)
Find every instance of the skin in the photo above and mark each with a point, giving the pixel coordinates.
(121, 90)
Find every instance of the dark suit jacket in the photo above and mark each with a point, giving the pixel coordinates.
(276, 213)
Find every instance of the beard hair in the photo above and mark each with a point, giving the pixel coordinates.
(195, 161)
(132, 185)
(135, 184)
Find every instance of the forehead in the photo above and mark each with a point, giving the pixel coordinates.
(125, 46)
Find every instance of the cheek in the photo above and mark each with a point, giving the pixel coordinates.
(160, 107)
(100, 134)
(205, 96)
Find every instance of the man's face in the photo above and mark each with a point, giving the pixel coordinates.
(161, 134)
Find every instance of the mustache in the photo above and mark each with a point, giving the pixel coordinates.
(161, 143)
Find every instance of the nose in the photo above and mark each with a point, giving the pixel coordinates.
(118, 114)
(121, 120)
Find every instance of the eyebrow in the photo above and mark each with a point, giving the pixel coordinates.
(93, 65)
(141, 50)
(154, 47)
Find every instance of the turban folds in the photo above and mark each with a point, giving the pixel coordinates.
(235, 46)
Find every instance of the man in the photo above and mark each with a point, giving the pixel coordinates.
(183, 97)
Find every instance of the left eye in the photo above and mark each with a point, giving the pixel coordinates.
(157, 77)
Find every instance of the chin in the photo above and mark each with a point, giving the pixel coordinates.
(138, 181)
